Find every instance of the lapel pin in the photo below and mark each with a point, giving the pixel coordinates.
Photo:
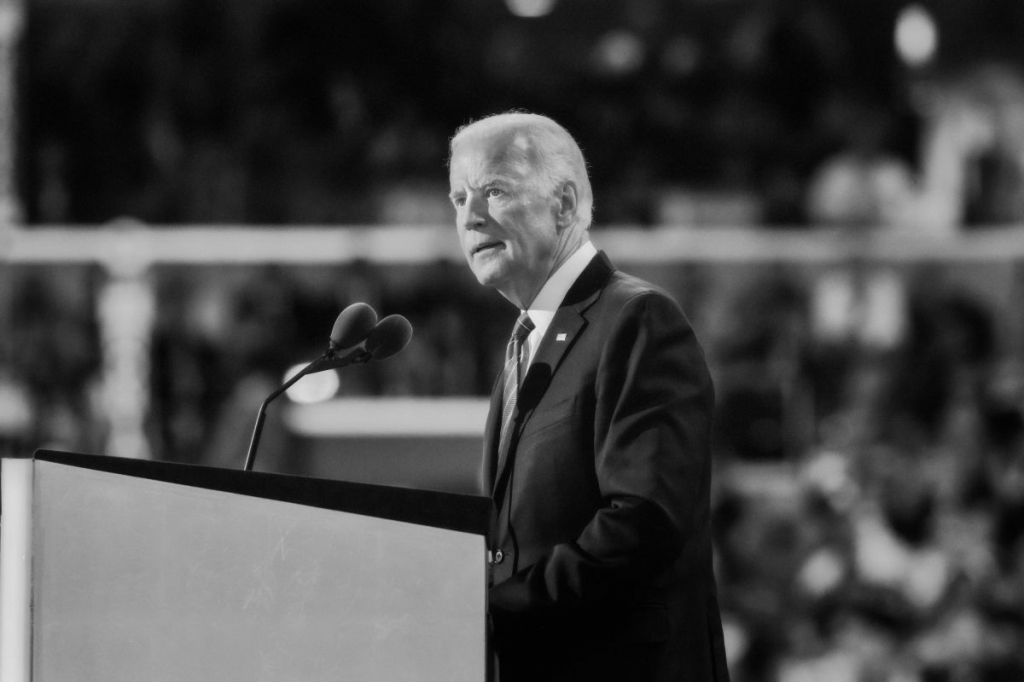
(560, 337)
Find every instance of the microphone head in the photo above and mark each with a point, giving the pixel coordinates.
(352, 326)
(391, 335)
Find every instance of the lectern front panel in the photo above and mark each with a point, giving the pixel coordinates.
(139, 579)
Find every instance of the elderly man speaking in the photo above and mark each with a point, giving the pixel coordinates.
(597, 445)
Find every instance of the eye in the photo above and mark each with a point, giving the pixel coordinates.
(495, 192)
(459, 201)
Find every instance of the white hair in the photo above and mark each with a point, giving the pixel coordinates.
(547, 147)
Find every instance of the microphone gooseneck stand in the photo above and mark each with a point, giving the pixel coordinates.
(356, 324)
(327, 361)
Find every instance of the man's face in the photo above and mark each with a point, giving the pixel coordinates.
(507, 225)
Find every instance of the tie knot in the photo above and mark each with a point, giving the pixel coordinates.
(524, 325)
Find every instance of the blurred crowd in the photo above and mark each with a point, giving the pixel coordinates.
(870, 433)
(870, 467)
(890, 546)
(771, 112)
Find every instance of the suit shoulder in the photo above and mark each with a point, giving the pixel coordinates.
(623, 287)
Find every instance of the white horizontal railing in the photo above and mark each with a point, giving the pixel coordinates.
(229, 245)
(378, 416)
(120, 245)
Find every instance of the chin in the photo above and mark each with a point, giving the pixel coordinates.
(486, 277)
(489, 275)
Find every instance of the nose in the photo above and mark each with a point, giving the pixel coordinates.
(474, 212)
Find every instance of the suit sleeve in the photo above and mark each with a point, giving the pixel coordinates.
(653, 404)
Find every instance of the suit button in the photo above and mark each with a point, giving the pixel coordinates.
(499, 556)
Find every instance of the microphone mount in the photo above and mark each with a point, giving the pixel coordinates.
(357, 324)
(329, 360)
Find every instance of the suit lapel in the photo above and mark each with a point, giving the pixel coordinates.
(566, 326)
(570, 318)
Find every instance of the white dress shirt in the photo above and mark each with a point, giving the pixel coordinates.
(551, 295)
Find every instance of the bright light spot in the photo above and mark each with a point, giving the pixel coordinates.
(11, 20)
(313, 388)
(917, 35)
(822, 573)
(530, 8)
(620, 52)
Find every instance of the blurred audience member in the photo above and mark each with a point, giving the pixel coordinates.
(865, 184)
(972, 152)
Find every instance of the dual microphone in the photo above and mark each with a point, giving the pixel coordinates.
(356, 331)
(357, 328)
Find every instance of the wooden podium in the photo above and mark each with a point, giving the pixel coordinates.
(116, 569)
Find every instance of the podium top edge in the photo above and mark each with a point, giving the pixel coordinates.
(450, 511)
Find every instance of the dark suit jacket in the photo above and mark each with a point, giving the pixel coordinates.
(602, 561)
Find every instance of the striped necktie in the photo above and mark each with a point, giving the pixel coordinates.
(512, 373)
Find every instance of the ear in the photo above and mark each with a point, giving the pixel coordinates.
(567, 204)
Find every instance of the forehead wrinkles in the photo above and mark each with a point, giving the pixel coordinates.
(509, 154)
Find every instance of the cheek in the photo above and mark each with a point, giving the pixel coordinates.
(539, 227)
(518, 221)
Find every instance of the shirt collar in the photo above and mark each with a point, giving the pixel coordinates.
(551, 295)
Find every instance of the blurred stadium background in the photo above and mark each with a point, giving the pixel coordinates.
(191, 190)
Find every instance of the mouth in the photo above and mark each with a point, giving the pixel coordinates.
(486, 246)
